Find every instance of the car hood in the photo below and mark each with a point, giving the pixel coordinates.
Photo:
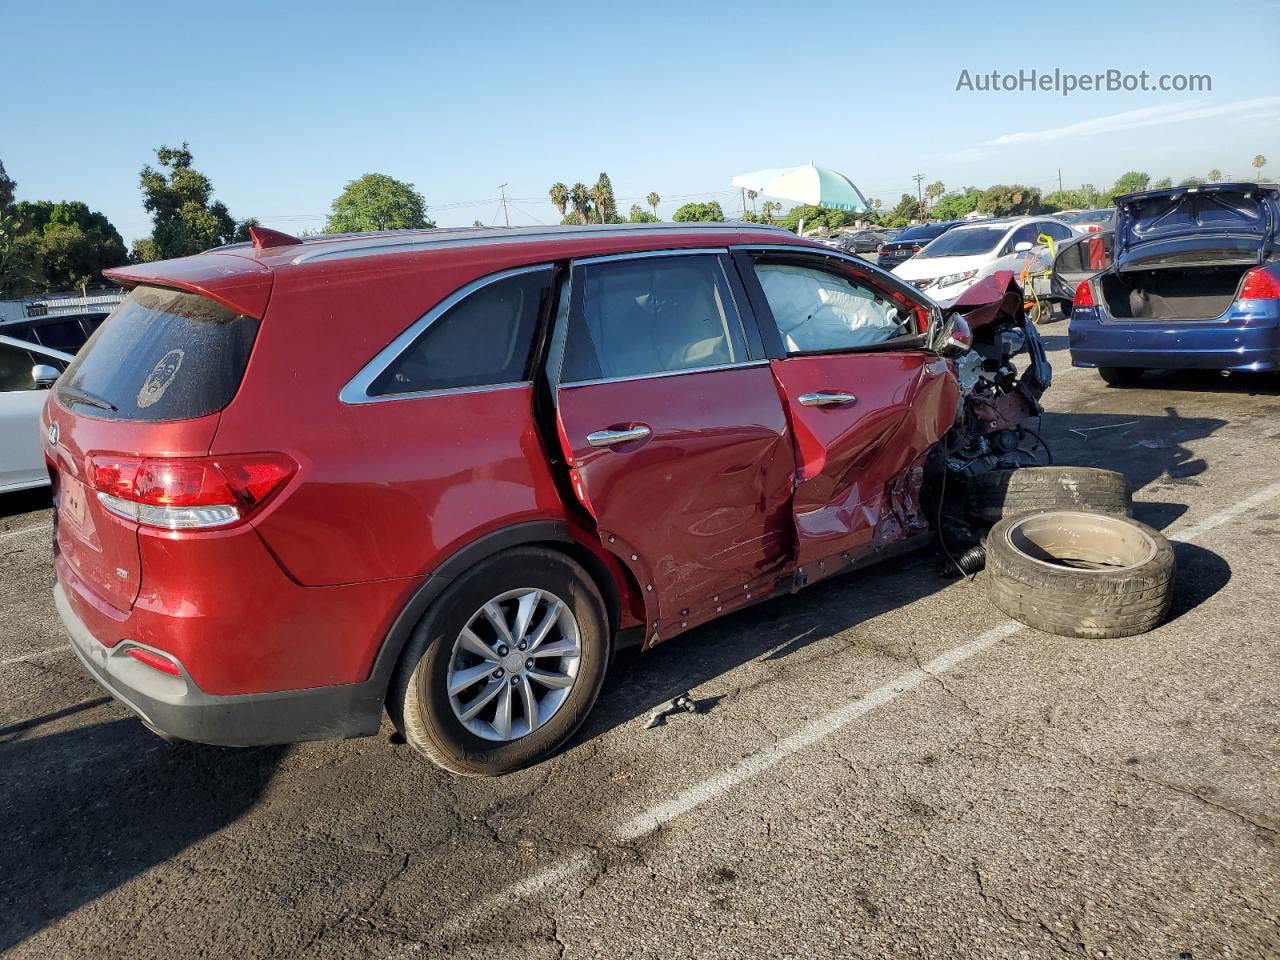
(1211, 224)
(929, 268)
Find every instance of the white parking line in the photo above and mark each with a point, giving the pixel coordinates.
(28, 657)
(1189, 533)
(701, 793)
(18, 533)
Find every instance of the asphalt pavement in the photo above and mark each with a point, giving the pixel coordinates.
(880, 766)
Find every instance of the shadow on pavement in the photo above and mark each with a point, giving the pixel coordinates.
(86, 810)
(25, 501)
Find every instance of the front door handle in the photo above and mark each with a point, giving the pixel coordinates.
(608, 438)
(825, 399)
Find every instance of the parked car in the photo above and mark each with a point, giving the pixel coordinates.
(1195, 284)
(27, 370)
(865, 241)
(910, 242)
(58, 332)
(1089, 221)
(960, 258)
(448, 472)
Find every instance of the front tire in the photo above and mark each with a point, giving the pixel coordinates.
(504, 666)
(1121, 376)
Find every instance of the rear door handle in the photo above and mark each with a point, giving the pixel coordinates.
(607, 438)
(826, 399)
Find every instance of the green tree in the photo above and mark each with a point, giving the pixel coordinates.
(559, 195)
(20, 272)
(581, 198)
(954, 206)
(1259, 161)
(768, 209)
(932, 192)
(180, 200)
(1190, 182)
(7, 187)
(1164, 183)
(377, 202)
(1009, 201)
(709, 212)
(1215, 175)
(74, 243)
(653, 200)
(1132, 182)
(908, 208)
(640, 215)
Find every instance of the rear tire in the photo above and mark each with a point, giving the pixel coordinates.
(1121, 376)
(428, 715)
(1000, 493)
(1079, 574)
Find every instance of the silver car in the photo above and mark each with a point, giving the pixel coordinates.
(27, 371)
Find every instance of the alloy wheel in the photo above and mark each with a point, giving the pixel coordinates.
(514, 664)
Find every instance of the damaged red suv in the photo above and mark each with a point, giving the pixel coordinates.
(446, 473)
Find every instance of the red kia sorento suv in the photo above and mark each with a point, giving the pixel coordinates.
(446, 473)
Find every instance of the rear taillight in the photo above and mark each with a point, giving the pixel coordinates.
(1259, 284)
(916, 248)
(180, 493)
(882, 250)
(1084, 296)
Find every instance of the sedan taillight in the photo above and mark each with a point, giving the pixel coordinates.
(181, 493)
(1259, 284)
(1084, 296)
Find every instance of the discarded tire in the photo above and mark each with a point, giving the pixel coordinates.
(1080, 574)
(1003, 493)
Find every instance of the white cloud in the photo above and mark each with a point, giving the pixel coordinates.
(1257, 107)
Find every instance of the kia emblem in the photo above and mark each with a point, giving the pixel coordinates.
(53, 433)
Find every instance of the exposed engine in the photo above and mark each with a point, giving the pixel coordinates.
(997, 398)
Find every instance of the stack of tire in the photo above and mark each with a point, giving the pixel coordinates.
(1065, 556)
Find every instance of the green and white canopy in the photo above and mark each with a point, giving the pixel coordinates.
(811, 184)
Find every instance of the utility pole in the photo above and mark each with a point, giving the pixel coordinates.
(502, 189)
(919, 179)
(1059, 180)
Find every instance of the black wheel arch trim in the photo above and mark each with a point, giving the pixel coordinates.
(489, 545)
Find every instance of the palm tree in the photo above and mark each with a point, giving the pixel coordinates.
(653, 200)
(933, 191)
(751, 195)
(1259, 162)
(601, 197)
(581, 198)
(1215, 175)
(559, 194)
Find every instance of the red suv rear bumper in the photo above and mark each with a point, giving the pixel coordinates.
(177, 707)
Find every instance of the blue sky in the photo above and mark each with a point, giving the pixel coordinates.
(283, 103)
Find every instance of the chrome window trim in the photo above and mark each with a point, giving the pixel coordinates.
(356, 390)
(646, 254)
(665, 373)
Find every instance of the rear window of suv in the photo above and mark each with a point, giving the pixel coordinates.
(161, 355)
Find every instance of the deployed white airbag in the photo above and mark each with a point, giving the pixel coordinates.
(816, 310)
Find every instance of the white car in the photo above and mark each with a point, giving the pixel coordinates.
(962, 256)
(27, 371)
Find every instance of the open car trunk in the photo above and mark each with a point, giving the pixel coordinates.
(1201, 293)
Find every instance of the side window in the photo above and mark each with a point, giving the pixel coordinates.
(650, 315)
(15, 369)
(818, 311)
(1058, 231)
(483, 340)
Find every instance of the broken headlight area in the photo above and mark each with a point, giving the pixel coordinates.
(1002, 378)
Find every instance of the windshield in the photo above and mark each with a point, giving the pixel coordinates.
(966, 242)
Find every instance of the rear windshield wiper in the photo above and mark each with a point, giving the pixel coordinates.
(88, 399)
